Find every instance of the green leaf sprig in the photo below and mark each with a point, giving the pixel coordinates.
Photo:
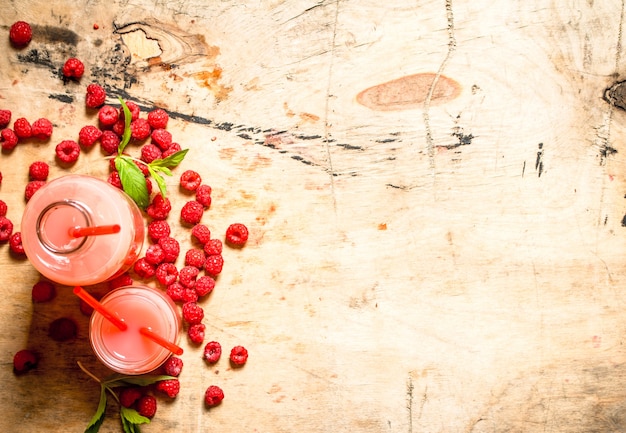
(131, 176)
(131, 419)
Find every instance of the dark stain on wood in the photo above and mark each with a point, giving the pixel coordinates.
(55, 34)
(615, 95)
(409, 92)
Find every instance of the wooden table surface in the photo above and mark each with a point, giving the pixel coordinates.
(435, 192)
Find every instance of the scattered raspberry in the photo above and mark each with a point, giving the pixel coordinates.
(108, 115)
(5, 118)
(147, 406)
(32, 187)
(114, 179)
(213, 396)
(0, 177)
(204, 285)
(236, 235)
(3, 208)
(190, 180)
(140, 129)
(88, 135)
(8, 139)
(187, 276)
(161, 138)
(38, 170)
(96, 95)
(62, 329)
(158, 118)
(85, 308)
(130, 395)
(174, 147)
(150, 152)
(201, 233)
(120, 281)
(190, 295)
(143, 167)
(22, 128)
(159, 208)
(171, 387)
(191, 212)
(158, 229)
(238, 355)
(68, 151)
(196, 333)
(171, 247)
(173, 366)
(134, 111)
(24, 360)
(213, 247)
(41, 129)
(166, 273)
(175, 291)
(109, 141)
(20, 33)
(15, 244)
(6, 229)
(212, 352)
(213, 264)
(195, 257)
(155, 255)
(43, 291)
(203, 195)
(96, 26)
(118, 127)
(192, 313)
(73, 68)
(144, 269)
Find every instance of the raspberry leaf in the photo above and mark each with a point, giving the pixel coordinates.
(127, 132)
(133, 180)
(171, 161)
(131, 420)
(98, 418)
(159, 180)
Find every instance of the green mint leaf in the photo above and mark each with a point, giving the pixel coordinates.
(171, 161)
(132, 416)
(127, 132)
(163, 170)
(133, 180)
(159, 180)
(142, 380)
(128, 426)
(98, 418)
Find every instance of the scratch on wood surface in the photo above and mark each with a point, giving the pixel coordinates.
(409, 402)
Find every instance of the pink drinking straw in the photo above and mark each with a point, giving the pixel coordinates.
(147, 332)
(79, 232)
(93, 302)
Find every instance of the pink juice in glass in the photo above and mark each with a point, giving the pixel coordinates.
(128, 351)
(84, 201)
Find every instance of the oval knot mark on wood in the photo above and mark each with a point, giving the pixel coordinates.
(408, 92)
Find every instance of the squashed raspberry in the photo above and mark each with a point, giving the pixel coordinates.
(5, 118)
(212, 352)
(196, 333)
(192, 313)
(171, 387)
(32, 187)
(213, 396)
(201, 233)
(158, 118)
(213, 264)
(108, 115)
(24, 360)
(155, 255)
(120, 281)
(161, 138)
(22, 128)
(38, 170)
(147, 406)
(203, 195)
(20, 33)
(175, 291)
(191, 212)
(15, 244)
(190, 180)
(8, 139)
(236, 235)
(144, 269)
(204, 285)
(213, 247)
(73, 68)
(6, 229)
(174, 147)
(158, 229)
(159, 208)
(96, 95)
(150, 152)
(195, 257)
(43, 291)
(88, 135)
(173, 366)
(130, 395)
(171, 247)
(187, 276)
(109, 141)
(63, 329)
(140, 129)
(41, 129)
(3, 208)
(238, 355)
(68, 151)
(166, 273)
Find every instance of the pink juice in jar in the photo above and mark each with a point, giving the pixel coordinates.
(84, 201)
(130, 352)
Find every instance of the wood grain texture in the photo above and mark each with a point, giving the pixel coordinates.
(452, 267)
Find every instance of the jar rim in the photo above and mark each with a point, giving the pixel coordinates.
(46, 242)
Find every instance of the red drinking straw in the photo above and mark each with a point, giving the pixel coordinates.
(93, 302)
(79, 232)
(147, 332)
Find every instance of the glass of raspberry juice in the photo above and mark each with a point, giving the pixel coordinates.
(129, 352)
(83, 201)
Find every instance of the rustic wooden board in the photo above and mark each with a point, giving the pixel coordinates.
(422, 258)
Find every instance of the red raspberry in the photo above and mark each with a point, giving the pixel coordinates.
(134, 111)
(108, 115)
(160, 207)
(195, 257)
(43, 291)
(109, 141)
(118, 127)
(171, 387)
(73, 68)
(161, 138)
(173, 366)
(158, 118)
(24, 360)
(63, 329)
(236, 235)
(171, 247)
(238, 355)
(96, 95)
(203, 195)
(192, 313)
(190, 295)
(191, 212)
(196, 333)
(3, 208)
(32, 187)
(5, 118)
(204, 285)
(8, 139)
(140, 129)
(41, 129)
(158, 229)
(166, 273)
(174, 147)
(155, 255)
(6, 229)
(201, 233)
(212, 352)
(68, 151)
(150, 152)
(129, 396)
(120, 281)
(143, 167)
(85, 308)
(144, 269)
(38, 170)
(147, 406)
(175, 291)
(213, 396)
(190, 180)
(20, 33)
(0, 178)
(213, 247)
(88, 136)
(114, 179)
(213, 265)
(15, 244)
(22, 128)
(187, 276)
